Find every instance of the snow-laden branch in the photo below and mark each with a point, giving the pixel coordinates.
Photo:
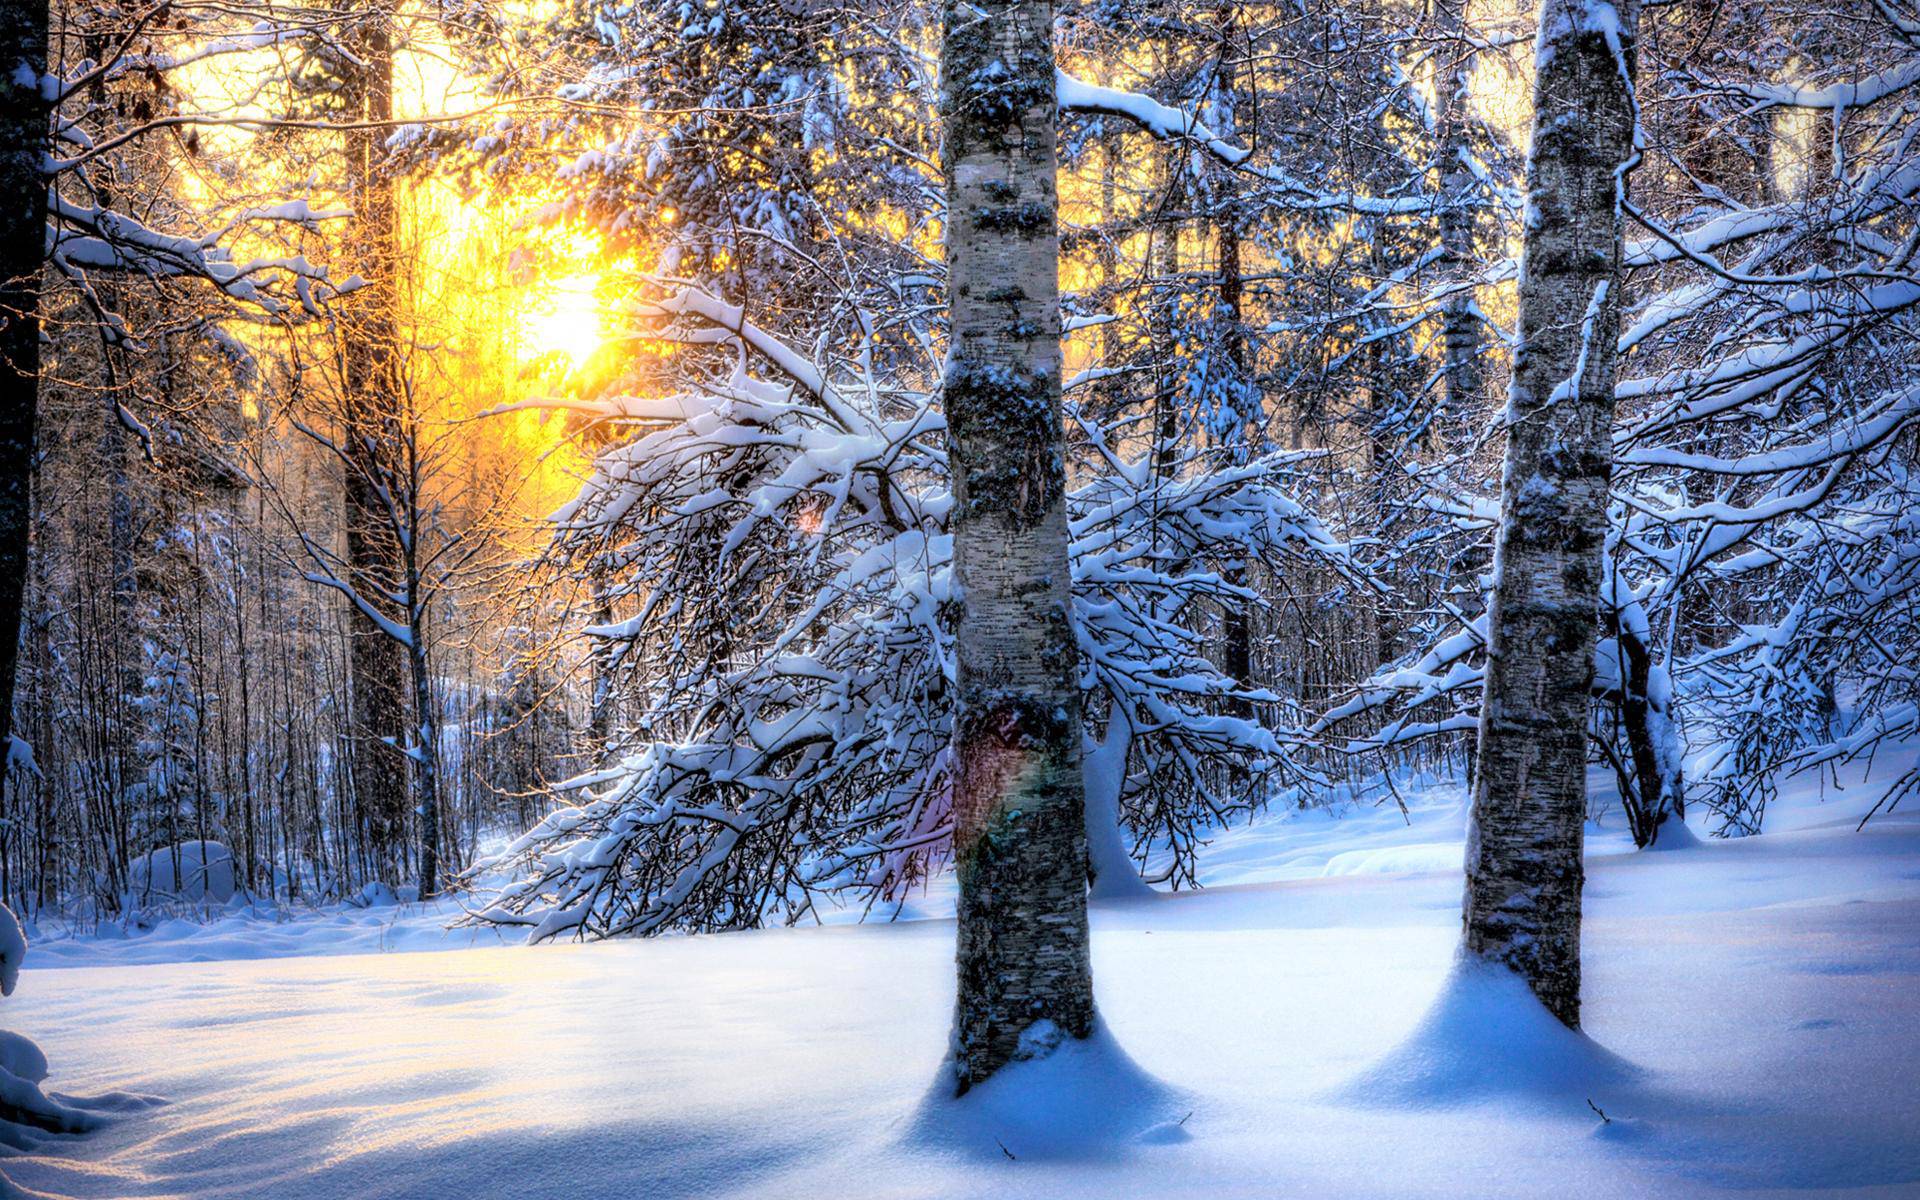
(1173, 124)
(783, 583)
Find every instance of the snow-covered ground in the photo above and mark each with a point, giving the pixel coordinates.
(1754, 1007)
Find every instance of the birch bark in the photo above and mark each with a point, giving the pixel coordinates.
(1019, 838)
(1524, 842)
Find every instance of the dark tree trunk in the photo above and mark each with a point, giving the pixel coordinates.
(369, 404)
(426, 739)
(24, 114)
(1524, 869)
(1463, 375)
(1019, 839)
(1656, 791)
(600, 711)
(1165, 252)
(1236, 651)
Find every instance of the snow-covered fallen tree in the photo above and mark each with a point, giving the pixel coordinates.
(770, 550)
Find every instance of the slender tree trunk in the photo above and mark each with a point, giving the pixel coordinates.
(600, 709)
(426, 718)
(426, 753)
(125, 619)
(1463, 376)
(1165, 261)
(1657, 785)
(1235, 629)
(370, 388)
(1110, 392)
(24, 114)
(1019, 842)
(1374, 617)
(1524, 869)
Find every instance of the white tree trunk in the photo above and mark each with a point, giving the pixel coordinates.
(1524, 868)
(1110, 862)
(1020, 844)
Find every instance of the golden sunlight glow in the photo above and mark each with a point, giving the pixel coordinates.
(566, 319)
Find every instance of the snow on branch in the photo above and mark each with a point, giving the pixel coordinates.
(1172, 124)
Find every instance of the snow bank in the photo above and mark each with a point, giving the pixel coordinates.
(21, 1057)
(1765, 986)
(263, 930)
(1673, 834)
(190, 871)
(1488, 1036)
(1070, 1099)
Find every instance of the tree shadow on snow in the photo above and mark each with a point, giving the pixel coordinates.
(1487, 1042)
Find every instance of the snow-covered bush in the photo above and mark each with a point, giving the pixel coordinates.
(194, 872)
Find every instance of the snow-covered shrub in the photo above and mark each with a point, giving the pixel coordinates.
(191, 872)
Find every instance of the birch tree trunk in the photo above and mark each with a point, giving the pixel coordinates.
(1019, 842)
(23, 236)
(370, 396)
(1524, 869)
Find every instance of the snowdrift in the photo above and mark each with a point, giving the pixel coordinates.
(1069, 1099)
(1487, 1036)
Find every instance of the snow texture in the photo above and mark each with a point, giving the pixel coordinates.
(27, 1114)
(1761, 988)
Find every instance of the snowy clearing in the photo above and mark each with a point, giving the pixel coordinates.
(1759, 994)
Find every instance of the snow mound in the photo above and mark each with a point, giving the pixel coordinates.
(21, 1057)
(24, 1108)
(191, 871)
(1072, 1099)
(1488, 1037)
(1674, 834)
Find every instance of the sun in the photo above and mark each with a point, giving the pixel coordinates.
(566, 319)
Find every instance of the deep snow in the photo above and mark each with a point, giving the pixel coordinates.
(1298, 1029)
